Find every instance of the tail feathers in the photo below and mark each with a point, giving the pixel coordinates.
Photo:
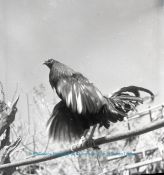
(134, 90)
(65, 125)
(107, 116)
(124, 101)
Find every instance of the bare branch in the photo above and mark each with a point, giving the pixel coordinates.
(5, 141)
(5, 156)
(6, 119)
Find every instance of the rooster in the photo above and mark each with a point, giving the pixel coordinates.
(83, 105)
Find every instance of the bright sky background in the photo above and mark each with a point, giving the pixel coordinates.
(114, 43)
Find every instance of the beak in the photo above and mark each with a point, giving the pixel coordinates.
(45, 63)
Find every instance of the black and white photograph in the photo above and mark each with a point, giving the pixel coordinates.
(81, 87)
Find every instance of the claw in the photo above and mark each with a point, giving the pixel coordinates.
(91, 143)
(85, 142)
(88, 142)
(81, 143)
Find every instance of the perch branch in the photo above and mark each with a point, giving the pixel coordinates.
(99, 141)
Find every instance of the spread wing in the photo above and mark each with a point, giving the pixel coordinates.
(79, 94)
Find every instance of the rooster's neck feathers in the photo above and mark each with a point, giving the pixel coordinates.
(58, 71)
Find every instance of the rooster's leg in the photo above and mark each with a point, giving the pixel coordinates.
(88, 141)
(92, 132)
(90, 138)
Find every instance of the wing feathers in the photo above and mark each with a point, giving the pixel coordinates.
(80, 95)
(64, 124)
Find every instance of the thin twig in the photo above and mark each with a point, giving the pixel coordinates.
(143, 163)
(14, 95)
(28, 112)
(145, 112)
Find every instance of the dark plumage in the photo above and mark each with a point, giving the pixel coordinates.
(82, 105)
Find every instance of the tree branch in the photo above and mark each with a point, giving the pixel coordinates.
(99, 141)
(5, 157)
